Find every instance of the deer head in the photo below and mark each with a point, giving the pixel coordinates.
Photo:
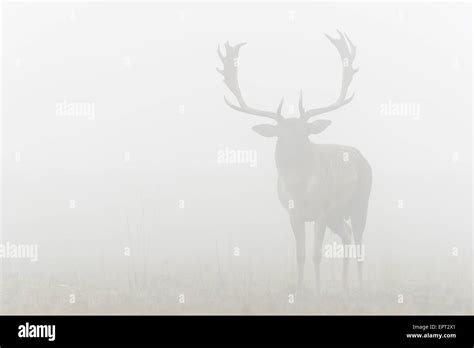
(289, 130)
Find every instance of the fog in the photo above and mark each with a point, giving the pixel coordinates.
(117, 156)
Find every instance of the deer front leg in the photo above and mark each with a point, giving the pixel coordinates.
(338, 226)
(298, 227)
(346, 240)
(319, 231)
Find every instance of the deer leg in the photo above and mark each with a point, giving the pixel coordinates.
(346, 240)
(337, 225)
(358, 225)
(298, 227)
(319, 231)
(360, 263)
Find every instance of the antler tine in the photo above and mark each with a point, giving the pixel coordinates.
(347, 52)
(230, 73)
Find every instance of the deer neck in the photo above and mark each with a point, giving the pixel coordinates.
(296, 164)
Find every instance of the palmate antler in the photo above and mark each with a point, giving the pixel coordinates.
(232, 81)
(347, 51)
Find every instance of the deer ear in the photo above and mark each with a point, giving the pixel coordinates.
(318, 126)
(266, 130)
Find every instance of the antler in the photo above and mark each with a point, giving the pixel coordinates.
(231, 80)
(347, 51)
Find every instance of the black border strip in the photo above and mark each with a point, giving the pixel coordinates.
(237, 330)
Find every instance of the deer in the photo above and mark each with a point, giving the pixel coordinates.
(326, 184)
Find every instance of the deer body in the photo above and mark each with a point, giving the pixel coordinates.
(321, 183)
(326, 181)
(331, 184)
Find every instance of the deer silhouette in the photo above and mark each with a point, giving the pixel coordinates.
(326, 184)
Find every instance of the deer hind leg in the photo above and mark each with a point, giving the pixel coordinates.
(358, 226)
(298, 226)
(319, 231)
(338, 226)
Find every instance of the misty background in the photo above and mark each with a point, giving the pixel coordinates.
(140, 170)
